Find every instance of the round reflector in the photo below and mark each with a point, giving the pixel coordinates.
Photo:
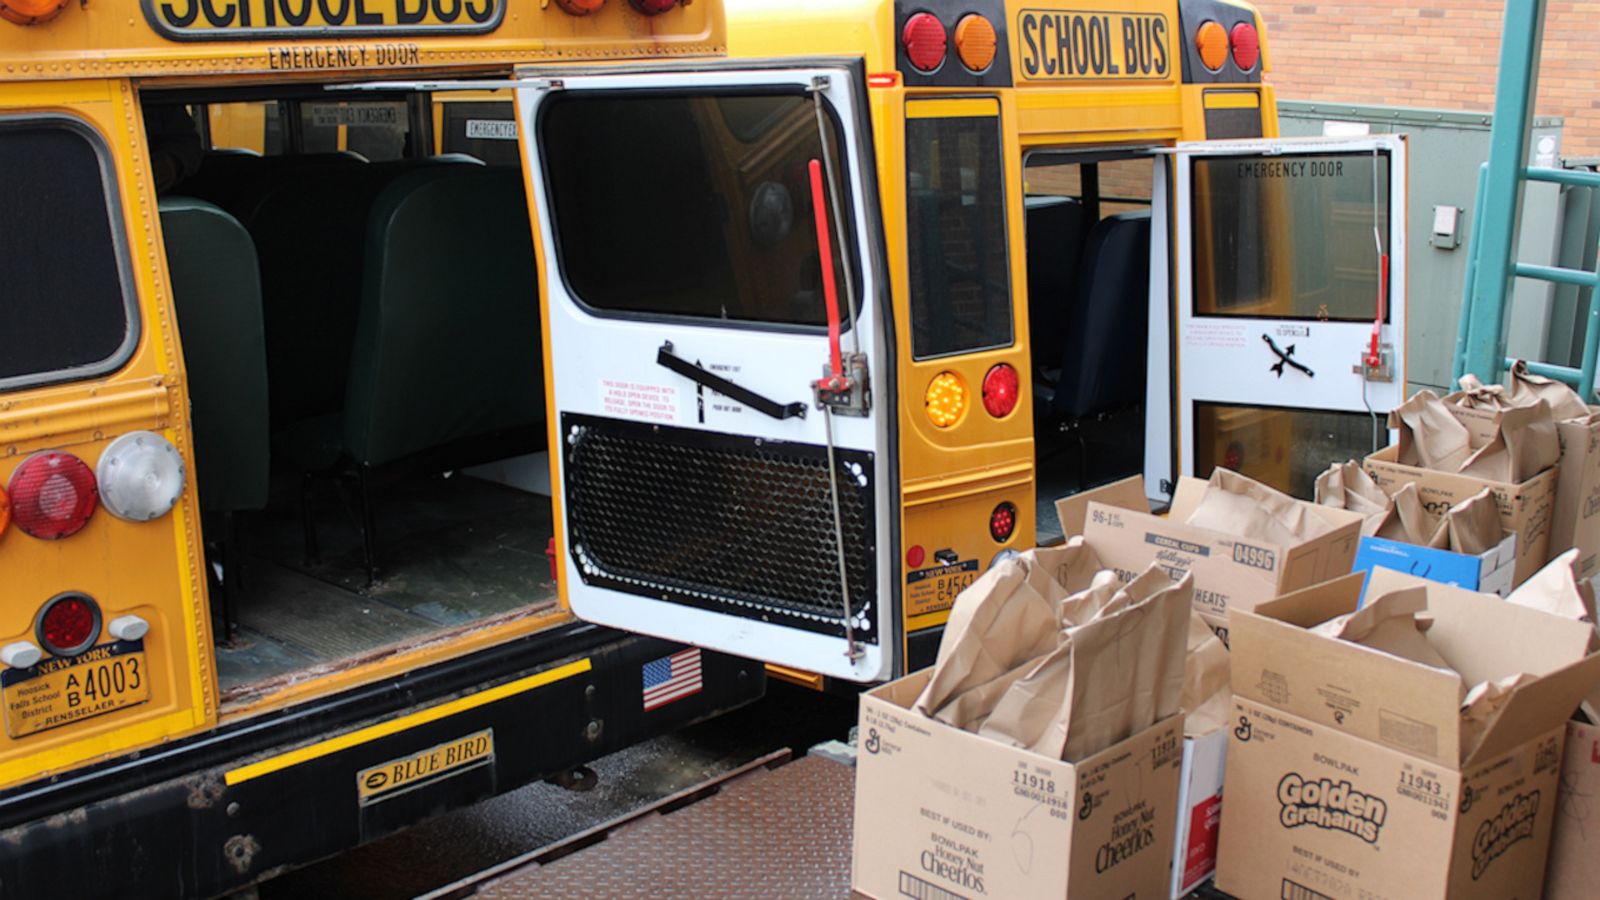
(68, 624)
(653, 7)
(946, 399)
(31, 12)
(1246, 46)
(580, 7)
(52, 495)
(924, 41)
(1002, 522)
(1212, 42)
(1000, 390)
(916, 556)
(141, 476)
(975, 42)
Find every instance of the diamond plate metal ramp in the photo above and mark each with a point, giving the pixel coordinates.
(772, 828)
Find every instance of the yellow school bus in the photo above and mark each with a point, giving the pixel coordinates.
(1027, 247)
(272, 404)
(406, 402)
(1060, 242)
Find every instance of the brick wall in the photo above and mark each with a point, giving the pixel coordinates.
(1442, 54)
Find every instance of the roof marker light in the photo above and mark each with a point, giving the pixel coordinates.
(1246, 46)
(31, 12)
(1211, 40)
(975, 42)
(925, 41)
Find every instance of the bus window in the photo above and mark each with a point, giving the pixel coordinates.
(484, 129)
(960, 285)
(377, 130)
(1285, 448)
(1334, 209)
(66, 302)
(253, 126)
(715, 219)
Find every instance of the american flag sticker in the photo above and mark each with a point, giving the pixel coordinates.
(672, 678)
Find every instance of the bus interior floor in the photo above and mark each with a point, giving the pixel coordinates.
(1062, 475)
(452, 551)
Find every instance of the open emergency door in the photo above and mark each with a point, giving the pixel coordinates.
(1287, 308)
(715, 320)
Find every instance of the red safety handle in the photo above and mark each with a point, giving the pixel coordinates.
(830, 291)
(1374, 359)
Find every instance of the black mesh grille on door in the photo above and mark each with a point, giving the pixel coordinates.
(735, 524)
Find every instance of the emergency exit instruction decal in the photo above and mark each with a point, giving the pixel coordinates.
(639, 400)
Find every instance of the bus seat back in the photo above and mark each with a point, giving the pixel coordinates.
(1055, 227)
(448, 345)
(216, 289)
(1103, 360)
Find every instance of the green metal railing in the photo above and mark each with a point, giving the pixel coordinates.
(1491, 252)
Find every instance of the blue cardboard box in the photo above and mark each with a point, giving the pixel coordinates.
(1489, 572)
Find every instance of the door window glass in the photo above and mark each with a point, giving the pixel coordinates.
(1290, 237)
(692, 204)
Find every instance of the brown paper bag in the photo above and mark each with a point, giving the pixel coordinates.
(1556, 589)
(1394, 623)
(1207, 695)
(1348, 486)
(1431, 437)
(1243, 507)
(1527, 388)
(1471, 526)
(1511, 444)
(1001, 621)
(1481, 706)
(1119, 668)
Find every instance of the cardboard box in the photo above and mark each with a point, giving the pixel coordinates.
(1575, 521)
(1199, 811)
(1526, 509)
(943, 812)
(1490, 572)
(1574, 871)
(1347, 775)
(1229, 572)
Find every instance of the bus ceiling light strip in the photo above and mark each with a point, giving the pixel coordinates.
(53, 494)
(925, 42)
(31, 12)
(975, 42)
(68, 623)
(141, 476)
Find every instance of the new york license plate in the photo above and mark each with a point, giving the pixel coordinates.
(62, 690)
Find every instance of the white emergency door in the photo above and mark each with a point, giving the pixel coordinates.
(1282, 253)
(686, 326)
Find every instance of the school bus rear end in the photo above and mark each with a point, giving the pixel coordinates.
(148, 749)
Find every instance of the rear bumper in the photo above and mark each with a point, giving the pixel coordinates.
(224, 810)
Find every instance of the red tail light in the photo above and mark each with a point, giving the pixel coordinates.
(925, 41)
(68, 624)
(1000, 390)
(1246, 46)
(53, 494)
(1002, 522)
(653, 7)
